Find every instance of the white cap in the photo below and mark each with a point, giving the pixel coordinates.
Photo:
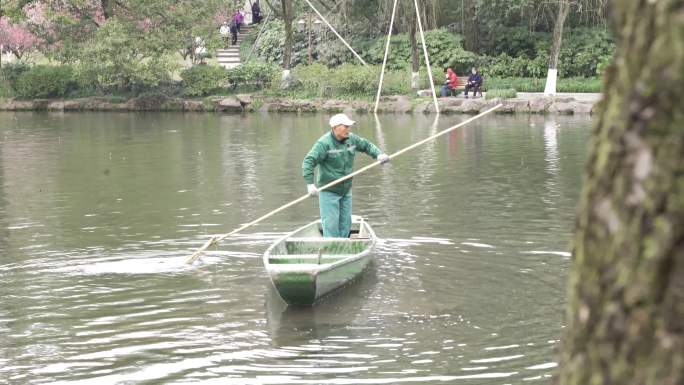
(338, 119)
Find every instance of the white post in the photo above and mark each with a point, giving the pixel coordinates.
(335, 32)
(550, 87)
(384, 60)
(286, 79)
(427, 59)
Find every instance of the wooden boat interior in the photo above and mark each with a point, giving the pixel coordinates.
(308, 246)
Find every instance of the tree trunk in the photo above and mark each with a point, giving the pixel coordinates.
(287, 18)
(471, 28)
(626, 311)
(410, 23)
(552, 75)
(563, 10)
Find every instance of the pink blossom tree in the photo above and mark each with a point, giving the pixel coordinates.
(16, 38)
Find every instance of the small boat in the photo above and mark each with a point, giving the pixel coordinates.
(304, 266)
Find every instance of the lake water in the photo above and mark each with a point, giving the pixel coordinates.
(99, 210)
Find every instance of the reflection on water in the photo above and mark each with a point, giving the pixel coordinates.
(98, 212)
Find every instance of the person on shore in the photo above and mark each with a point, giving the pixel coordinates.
(224, 31)
(474, 83)
(256, 12)
(239, 19)
(450, 83)
(333, 157)
(233, 31)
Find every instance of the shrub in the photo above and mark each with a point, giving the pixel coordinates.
(251, 75)
(313, 78)
(271, 42)
(10, 72)
(352, 79)
(202, 80)
(45, 82)
(506, 93)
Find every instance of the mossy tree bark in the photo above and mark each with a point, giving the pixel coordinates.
(626, 310)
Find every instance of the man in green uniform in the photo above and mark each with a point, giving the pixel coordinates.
(333, 155)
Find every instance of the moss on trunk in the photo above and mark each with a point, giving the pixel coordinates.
(626, 311)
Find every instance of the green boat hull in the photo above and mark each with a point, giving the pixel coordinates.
(304, 266)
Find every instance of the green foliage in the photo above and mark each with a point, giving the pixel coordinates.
(351, 79)
(271, 42)
(10, 72)
(347, 80)
(444, 49)
(507, 66)
(202, 80)
(579, 84)
(114, 60)
(516, 52)
(313, 78)
(333, 53)
(45, 82)
(585, 52)
(252, 75)
(507, 93)
(575, 84)
(519, 84)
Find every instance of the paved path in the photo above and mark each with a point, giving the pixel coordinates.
(583, 97)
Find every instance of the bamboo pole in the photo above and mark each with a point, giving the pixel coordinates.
(427, 59)
(384, 60)
(218, 238)
(335, 32)
(256, 40)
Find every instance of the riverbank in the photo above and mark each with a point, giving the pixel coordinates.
(535, 103)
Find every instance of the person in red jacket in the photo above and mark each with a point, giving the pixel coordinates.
(450, 82)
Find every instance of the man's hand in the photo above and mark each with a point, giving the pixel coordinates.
(383, 158)
(312, 190)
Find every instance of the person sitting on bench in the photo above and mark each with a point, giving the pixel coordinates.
(474, 83)
(450, 82)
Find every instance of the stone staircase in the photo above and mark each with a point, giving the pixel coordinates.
(230, 57)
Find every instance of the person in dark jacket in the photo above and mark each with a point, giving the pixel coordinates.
(474, 83)
(450, 82)
(256, 12)
(332, 156)
(233, 31)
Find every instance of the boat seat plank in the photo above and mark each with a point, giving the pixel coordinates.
(307, 258)
(323, 240)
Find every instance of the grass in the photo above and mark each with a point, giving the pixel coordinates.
(506, 93)
(577, 84)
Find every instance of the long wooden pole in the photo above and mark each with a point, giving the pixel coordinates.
(427, 58)
(218, 238)
(384, 60)
(335, 32)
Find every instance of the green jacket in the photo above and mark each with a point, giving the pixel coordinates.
(335, 159)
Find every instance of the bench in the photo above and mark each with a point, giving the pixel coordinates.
(461, 82)
(460, 86)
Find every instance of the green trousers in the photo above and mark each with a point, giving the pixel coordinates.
(336, 212)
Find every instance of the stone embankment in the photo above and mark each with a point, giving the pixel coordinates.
(535, 104)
